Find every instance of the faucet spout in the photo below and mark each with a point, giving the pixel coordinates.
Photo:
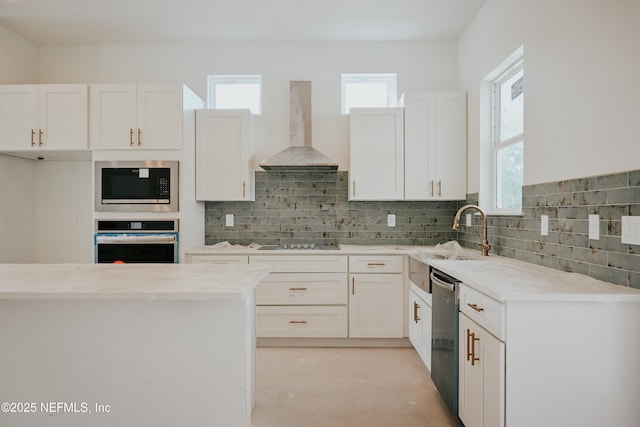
(456, 224)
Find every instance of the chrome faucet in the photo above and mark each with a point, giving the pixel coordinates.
(456, 225)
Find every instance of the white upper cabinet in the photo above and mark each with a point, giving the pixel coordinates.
(223, 149)
(435, 145)
(376, 164)
(43, 117)
(131, 116)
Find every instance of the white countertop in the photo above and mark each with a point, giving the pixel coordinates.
(505, 279)
(129, 281)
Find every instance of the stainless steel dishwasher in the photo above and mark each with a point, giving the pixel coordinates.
(444, 337)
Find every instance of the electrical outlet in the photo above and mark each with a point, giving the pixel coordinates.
(630, 234)
(594, 227)
(228, 220)
(391, 220)
(544, 225)
(468, 221)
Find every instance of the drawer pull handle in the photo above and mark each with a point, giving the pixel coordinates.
(416, 306)
(376, 264)
(301, 322)
(40, 137)
(139, 135)
(297, 289)
(33, 133)
(475, 307)
(131, 137)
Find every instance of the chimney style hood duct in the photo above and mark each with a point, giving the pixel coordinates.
(300, 155)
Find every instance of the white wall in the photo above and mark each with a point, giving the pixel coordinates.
(582, 61)
(419, 66)
(17, 176)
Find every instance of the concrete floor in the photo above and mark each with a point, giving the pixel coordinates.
(350, 387)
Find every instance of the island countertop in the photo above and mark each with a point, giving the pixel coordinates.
(129, 281)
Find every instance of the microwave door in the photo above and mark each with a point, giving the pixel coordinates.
(135, 185)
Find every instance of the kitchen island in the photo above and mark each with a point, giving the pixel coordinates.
(144, 344)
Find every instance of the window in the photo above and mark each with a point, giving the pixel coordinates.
(235, 91)
(507, 139)
(368, 90)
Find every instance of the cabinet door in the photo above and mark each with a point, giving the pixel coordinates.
(376, 170)
(419, 136)
(451, 145)
(159, 116)
(63, 117)
(113, 116)
(18, 117)
(416, 315)
(481, 376)
(375, 306)
(222, 155)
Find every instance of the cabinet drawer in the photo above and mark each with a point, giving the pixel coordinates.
(303, 263)
(218, 259)
(301, 321)
(375, 264)
(487, 312)
(302, 289)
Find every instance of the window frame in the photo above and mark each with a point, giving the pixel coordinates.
(489, 132)
(230, 79)
(390, 79)
(501, 75)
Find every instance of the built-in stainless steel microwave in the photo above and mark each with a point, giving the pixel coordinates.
(145, 186)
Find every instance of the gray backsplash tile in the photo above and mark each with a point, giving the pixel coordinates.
(293, 207)
(568, 247)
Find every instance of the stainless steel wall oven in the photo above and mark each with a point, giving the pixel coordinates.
(136, 241)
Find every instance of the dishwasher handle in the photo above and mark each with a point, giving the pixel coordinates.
(446, 284)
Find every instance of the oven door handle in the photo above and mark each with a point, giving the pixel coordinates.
(439, 282)
(170, 238)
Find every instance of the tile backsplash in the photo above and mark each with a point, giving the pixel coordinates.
(568, 205)
(297, 207)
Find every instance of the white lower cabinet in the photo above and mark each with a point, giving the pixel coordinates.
(481, 376)
(375, 296)
(420, 323)
(304, 296)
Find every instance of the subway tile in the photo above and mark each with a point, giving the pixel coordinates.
(297, 206)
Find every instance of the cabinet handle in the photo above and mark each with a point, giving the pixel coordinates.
(353, 286)
(40, 137)
(376, 264)
(474, 359)
(33, 133)
(297, 289)
(471, 347)
(244, 189)
(131, 137)
(475, 307)
(439, 188)
(353, 188)
(139, 139)
(431, 188)
(301, 322)
(416, 306)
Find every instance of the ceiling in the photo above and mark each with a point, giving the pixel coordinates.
(47, 22)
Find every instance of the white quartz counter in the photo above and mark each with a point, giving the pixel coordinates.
(129, 281)
(506, 279)
(501, 278)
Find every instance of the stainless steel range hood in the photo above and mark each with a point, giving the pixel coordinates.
(300, 155)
